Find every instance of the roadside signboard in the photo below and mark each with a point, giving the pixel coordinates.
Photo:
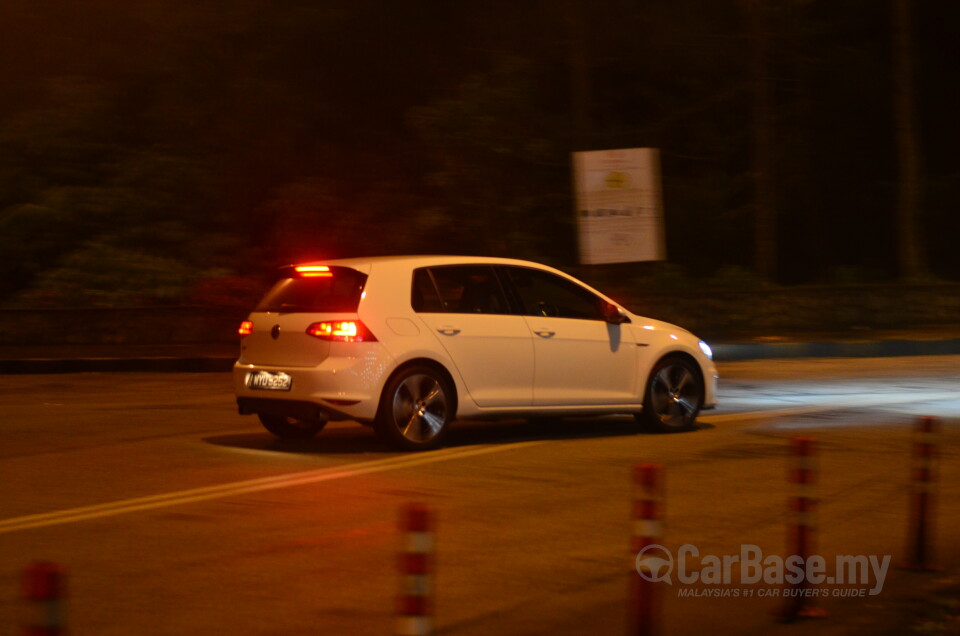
(619, 208)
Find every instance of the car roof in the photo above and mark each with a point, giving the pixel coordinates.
(427, 261)
(412, 261)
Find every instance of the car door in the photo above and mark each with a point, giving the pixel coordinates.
(580, 358)
(466, 309)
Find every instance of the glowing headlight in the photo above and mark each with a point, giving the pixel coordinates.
(707, 351)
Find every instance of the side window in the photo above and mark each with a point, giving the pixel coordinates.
(424, 297)
(458, 289)
(546, 294)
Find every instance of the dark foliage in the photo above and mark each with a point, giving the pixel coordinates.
(151, 149)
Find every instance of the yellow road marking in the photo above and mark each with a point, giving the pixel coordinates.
(206, 493)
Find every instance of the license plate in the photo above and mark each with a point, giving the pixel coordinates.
(267, 381)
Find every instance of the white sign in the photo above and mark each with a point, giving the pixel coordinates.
(619, 209)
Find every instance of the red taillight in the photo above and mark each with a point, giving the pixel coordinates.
(313, 271)
(341, 331)
(246, 328)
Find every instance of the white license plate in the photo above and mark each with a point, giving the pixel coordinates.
(268, 381)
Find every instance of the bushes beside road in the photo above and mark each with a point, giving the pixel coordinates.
(715, 313)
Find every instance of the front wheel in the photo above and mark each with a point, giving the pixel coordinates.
(291, 427)
(673, 396)
(416, 409)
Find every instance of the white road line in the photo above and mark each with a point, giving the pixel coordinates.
(843, 402)
(164, 500)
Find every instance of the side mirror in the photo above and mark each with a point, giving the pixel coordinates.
(614, 315)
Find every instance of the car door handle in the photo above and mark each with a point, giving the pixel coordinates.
(448, 331)
(545, 333)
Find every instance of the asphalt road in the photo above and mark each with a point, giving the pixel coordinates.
(174, 515)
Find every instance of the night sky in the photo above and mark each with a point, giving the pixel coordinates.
(199, 141)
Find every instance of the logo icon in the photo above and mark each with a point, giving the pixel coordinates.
(655, 563)
(617, 180)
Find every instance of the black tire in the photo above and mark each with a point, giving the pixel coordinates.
(673, 397)
(291, 427)
(416, 408)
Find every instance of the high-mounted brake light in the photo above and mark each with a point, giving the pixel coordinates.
(246, 328)
(313, 271)
(341, 331)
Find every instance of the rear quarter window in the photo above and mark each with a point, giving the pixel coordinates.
(425, 298)
(339, 292)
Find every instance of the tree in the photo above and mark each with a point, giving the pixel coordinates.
(765, 210)
(911, 256)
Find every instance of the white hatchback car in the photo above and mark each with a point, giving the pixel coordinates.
(411, 343)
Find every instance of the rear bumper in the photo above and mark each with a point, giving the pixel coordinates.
(346, 388)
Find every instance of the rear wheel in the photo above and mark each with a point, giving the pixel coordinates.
(290, 427)
(673, 397)
(416, 409)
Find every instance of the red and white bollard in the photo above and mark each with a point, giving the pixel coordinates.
(643, 613)
(42, 588)
(415, 603)
(923, 495)
(803, 475)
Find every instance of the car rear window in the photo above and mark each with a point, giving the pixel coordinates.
(337, 292)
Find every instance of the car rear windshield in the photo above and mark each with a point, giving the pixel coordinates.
(337, 292)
